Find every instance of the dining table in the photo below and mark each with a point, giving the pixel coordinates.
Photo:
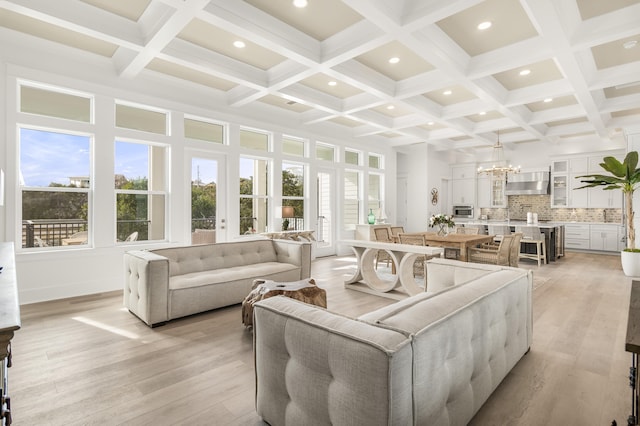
(455, 241)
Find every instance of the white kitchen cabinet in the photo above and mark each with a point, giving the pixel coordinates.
(578, 198)
(463, 191)
(463, 184)
(601, 199)
(490, 192)
(484, 192)
(578, 165)
(564, 193)
(577, 236)
(498, 197)
(560, 166)
(559, 190)
(604, 237)
(465, 171)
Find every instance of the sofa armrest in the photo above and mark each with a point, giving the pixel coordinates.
(146, 286)
(316, 367)
(296, 253)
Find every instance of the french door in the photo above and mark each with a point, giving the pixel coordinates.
(207, 194)
(326, 224)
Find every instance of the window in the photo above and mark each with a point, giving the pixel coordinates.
(204, 131)
(292, 196)
(375, 161)
(292, 146)
(141, 118)
(55, 103)
(325, 152)
(55, 182)
(374, 201)
(254, 185)
(254, 140)
(351, 202)
(140, 184)
(352, 157)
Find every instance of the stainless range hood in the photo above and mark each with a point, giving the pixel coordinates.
(528, 183)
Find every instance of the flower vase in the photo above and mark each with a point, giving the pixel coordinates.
(371, 218)
(442, 229)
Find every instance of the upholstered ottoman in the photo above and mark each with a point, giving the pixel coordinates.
(303, 290)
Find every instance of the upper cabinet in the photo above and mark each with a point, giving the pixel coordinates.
(463, 184)
(599, 198)
(565, 180)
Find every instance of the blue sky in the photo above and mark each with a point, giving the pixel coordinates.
(47, 157)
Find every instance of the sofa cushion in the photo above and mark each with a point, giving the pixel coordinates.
(224, 275)
(185, 260)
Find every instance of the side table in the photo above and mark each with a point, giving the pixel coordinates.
(303, 290)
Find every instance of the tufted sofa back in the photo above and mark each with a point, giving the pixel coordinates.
(316, 367)
(198, 258)
(465, 340)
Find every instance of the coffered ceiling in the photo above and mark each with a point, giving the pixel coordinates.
(545, 71)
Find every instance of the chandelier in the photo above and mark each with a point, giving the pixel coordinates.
(499, 167)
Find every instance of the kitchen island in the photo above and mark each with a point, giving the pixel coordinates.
(553, 234)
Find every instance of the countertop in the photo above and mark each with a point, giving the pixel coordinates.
(524, 223)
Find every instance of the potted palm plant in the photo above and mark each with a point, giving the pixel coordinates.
(625, 176)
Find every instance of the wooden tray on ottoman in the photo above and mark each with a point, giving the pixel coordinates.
(303, 290)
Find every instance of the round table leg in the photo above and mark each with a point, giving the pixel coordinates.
(370, 276)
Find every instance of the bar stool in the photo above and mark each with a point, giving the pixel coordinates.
(532, 235)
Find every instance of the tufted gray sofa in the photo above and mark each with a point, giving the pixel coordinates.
(164, 284)
(431, 359)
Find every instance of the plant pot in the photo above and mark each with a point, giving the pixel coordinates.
(630, 263)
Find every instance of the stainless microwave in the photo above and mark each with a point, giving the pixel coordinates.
(463, 211)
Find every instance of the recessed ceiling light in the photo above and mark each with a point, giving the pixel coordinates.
(390, 107)
(332, 83)
(394, 60)
(525, 72)
(548, 100)
(300, 3)
(484, 25)
(483, 113)
(447, 92)
(239, 44)
(430, 123)
(630, 44)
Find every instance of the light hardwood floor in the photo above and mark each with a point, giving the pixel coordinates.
(87, 361)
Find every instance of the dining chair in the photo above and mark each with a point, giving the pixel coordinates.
(454, 253)
(531, 235)
(492, 256)
(419, 266)
(395, 230)
(470, 230)
(514, 251)
(383, 235)
(499, 231)
(132, 237)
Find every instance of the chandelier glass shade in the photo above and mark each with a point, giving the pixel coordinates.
(499, 164)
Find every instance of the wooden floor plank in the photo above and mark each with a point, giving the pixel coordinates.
(86, 360)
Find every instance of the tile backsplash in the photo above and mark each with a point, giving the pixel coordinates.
(519, 205)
